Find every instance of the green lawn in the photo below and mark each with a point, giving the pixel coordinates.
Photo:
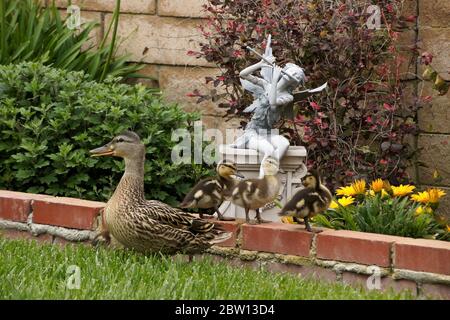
(30, 270)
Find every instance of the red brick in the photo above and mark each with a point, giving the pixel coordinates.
(67, 212)
(352, 246)
(422, 255)
(231, 226)
(436, 291)
(16, 206)
(17, 234)
(277, 238)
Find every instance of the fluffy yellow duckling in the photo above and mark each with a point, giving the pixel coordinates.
(306, 203)
(253, 194)
(209, 192)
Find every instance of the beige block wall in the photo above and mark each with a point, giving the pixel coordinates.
(434, 37)
(166, 30)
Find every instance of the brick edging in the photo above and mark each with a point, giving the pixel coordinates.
(419, 264)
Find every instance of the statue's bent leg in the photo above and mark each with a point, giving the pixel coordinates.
(263, 146)
(280, 145)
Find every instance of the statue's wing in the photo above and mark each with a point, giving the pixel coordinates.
(266, 72)
(253, 88)
(252, 107)
(301, 95)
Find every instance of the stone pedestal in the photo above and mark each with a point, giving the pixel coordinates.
(248, 163)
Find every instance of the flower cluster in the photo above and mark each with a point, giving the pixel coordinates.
(428, 199)
(378, 186)
(380, 207)
(357, 194)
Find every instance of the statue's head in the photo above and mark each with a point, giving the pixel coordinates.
(296, 72)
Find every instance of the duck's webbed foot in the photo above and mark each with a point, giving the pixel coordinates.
(247, 218)
(259, 219)
(308, 226)
(221, 217)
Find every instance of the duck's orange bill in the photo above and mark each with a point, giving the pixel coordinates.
(102, 151)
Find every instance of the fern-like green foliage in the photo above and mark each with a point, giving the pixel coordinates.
(30, 32)
(377, 214)
(50, 118)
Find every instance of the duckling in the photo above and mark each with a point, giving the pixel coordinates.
(255, 193)
(150, 225)
(306, 203)
(209, 192)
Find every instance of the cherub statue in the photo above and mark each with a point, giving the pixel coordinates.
(274, 96)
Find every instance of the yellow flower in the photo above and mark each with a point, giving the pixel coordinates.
(384, 193)
(334, 205)
(421, 210)
(387, 185)
(422, 197)
(346, 201)
(346, 191)
(359, 186)
(377, 185)
(435, 194)
(448, 228)
(287, 219)
(402, 190)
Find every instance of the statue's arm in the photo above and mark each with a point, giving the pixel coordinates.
(274, 98)
(247, 74)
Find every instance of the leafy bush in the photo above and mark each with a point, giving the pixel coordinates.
(50, 119)
(386, 209)
(29, 32)
(360, 129)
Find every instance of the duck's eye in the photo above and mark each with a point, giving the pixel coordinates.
(119, 140)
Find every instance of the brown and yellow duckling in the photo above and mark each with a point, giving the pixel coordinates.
(209, 192)
(149, 225)
(306, 203)
(253, 194)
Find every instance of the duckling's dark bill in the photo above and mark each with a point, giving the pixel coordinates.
(102, 151)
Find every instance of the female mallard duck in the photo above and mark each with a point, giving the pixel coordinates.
(150, 225)
(306, 203)
(209, 192)
(252, 194)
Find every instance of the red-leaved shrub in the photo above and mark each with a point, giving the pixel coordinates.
(359, 128)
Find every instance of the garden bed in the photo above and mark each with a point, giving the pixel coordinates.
(422, 266)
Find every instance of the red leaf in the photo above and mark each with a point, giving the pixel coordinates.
(388, 107)
(411, 18)
(314, 105)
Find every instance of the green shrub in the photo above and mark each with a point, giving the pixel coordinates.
(29, 32)
(50, 118)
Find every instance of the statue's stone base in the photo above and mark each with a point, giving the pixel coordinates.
(248, 162)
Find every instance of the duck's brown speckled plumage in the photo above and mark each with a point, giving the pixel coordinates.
(150, 225)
